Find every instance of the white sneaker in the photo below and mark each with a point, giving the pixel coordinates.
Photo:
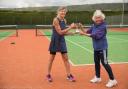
(111, 83)
(95, 80)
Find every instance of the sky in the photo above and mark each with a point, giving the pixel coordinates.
(38, 3)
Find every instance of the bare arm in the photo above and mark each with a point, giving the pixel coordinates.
(58, 29)
(69, 33)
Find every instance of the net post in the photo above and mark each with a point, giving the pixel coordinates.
(36, 29)
(16, 31)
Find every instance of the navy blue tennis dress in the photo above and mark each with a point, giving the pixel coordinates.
(58, 43)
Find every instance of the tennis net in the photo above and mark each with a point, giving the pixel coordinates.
(8, 30)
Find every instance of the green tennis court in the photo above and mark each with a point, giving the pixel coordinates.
(8, 30)
(4, 34)
(81, 52)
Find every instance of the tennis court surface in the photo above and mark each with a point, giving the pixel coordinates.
(23, 64)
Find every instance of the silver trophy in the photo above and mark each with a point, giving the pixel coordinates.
(77, 28)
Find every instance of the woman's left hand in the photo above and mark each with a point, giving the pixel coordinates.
(82, 33)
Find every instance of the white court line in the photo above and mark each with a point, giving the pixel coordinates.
(72, 63)
(80, 46)
(69, 59)
(84, 49)
(117, 38)
(94, 64)
(77, 65)
(110, 61)
(88, 51)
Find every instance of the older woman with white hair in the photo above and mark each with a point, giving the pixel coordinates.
(98, 33)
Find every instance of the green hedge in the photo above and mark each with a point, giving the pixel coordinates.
(34, 17)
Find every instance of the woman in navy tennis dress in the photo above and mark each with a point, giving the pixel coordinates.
(58, 43)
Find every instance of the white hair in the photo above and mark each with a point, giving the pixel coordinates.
(98, 13)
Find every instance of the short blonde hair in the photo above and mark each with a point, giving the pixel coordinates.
(62, 8)
(98, 13)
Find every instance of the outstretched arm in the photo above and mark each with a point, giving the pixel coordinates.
(97, 35)
(58, 29)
